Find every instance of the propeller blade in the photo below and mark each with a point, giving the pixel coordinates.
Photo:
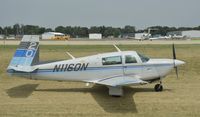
(174, 51)
(174, 58)
(176, 68)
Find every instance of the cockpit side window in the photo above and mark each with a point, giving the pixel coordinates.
(113, 60)
(143, 58)
(130, 59)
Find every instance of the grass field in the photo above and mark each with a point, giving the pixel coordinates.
(180, 98)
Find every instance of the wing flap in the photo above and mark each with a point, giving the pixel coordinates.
(120, 81)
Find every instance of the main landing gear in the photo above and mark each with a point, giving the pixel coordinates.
(115, 91)
(158, 87)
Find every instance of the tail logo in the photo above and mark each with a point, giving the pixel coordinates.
(31, 49)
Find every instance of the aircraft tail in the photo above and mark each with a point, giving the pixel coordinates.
(27, 54)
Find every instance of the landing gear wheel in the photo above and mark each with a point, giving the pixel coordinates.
(158, 88)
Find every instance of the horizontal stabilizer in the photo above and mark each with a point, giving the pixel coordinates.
(22, 68)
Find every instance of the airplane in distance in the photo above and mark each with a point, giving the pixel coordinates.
(114, 69)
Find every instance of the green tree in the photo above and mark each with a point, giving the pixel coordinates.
(102, 30)
(162, 30)
(60, 29)
(95, 29)
(1, 30)
(48, 30)
(31, 29)
(80, 31)
(69, 30)
(16, 29)
(41, 30)
(184, 28)
(128, 29)
(76, 31)
(108, 32)
(197, 28)
(83, 32)
(116, 32)
(8, 30)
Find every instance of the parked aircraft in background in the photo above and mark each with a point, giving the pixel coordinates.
(146, 36)
(114, 69)
(159, 37)
(178, 37)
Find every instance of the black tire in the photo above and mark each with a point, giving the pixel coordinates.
(116, 96)
(158, 88)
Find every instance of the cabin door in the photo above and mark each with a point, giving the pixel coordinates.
(131, 66)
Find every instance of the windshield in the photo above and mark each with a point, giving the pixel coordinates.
(143, 58)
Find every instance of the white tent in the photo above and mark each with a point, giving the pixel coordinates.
(50, 35)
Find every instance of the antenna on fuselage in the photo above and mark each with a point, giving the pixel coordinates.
(70, 55)
(117, 48)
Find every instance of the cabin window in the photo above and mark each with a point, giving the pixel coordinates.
(112, 60)
(143, 58)
(130, 59)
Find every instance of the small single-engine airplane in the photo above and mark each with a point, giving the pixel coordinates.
(114, 70)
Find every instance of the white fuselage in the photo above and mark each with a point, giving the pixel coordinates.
(92, 68)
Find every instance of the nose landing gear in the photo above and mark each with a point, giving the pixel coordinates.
(158, 87)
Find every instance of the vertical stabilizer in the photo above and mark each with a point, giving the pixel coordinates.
(27, 54)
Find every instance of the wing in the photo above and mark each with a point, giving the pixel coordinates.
(120, 81)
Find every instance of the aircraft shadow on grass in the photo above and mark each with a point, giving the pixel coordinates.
(125, 104)
(22, 91)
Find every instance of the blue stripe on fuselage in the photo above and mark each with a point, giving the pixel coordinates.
(105, 68)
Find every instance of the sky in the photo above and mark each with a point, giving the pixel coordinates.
(116, 13)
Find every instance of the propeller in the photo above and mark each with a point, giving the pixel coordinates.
(174, 58)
